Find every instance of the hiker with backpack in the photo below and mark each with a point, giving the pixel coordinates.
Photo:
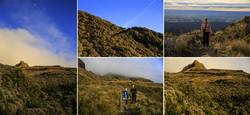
(206, 29)
(133, 91)
(126, 95)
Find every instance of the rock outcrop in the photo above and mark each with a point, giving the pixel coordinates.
(198, 68)
(81, 63)
(195, 66)
(22, 64)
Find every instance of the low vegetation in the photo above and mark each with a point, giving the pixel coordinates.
(37, 90)
(104, 94)
(198, 91)
(233, 41)
(100, 38)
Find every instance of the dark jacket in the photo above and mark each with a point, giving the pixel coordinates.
(133, 90)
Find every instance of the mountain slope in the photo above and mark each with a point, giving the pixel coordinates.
(233, 41)
(37, 90)
(97, 37)
(104, 94)
(209, 91)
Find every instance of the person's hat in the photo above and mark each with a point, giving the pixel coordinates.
(205, 18)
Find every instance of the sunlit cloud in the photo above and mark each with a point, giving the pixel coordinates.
(43, 41)
(219, 5)
(19, 44)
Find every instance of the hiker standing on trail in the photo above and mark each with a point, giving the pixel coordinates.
(133, 91)
(126, 95)
(206, 29)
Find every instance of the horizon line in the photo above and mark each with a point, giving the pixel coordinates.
(209, 10)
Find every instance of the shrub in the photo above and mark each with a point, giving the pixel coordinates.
(4, 112)
(11, 101)
(21, 96)
(241, 47)
(33, 103)
(1, 93)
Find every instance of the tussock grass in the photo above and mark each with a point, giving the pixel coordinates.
(233, 41)
(101, 38)
(102, 93)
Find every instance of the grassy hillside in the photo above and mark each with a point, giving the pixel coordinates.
(214, 91)
(37, 90)
(100, 38)
(233, 41)
(99, 95)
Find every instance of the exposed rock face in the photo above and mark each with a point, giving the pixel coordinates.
(22, 64)
(81, 63)
(195, 66)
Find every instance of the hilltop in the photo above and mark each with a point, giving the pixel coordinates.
(101, 38)
(195, 66)
(197, 90)
(41, 90)
(233, 41)
(102, 93)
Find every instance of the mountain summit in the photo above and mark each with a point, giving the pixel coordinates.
(195, 66)
(101, 38)
(246, 19)
(22, 64)
(81, 63)
(198, 68)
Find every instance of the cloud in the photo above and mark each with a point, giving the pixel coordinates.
(149, 68)
(128, 24)
(19, 44)
(35, 21)
(223, 5)
(209, 1)
(177, 64)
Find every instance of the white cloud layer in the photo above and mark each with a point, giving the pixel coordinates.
(19, 44)
(148, 68)
(38, 33)
(220, 5)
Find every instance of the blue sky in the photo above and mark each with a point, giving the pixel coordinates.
(127, 13)
(217, 5)
(149, 68)
(44, 31)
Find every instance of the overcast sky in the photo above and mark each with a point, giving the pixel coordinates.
(177, 64)
(218, 5)
(149, 68)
